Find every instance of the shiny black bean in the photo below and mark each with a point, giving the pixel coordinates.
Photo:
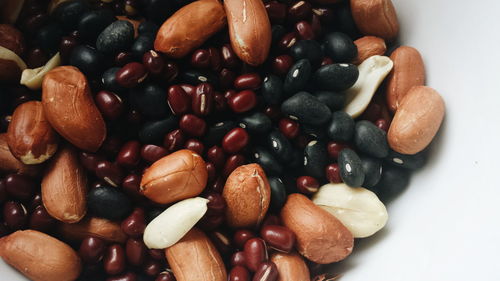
(109, 80)
(279, 146)
(195, 77)
(115, 37)
(150, 100)
(267, 161)
(307, 49)
(108, 202)
(351, 168)
(277, 32)
(297, 77)
(393, 181)
(314, 132)
(343, 20)
(87, 59)
(272, 89)
(372, 168)
(153, 213)
(155, 131)
(336, 77)
(334, 101)
(49, 37)
(370, 139)
(297, 160)
(278, 193)
(217, 132)
(256, 123)
(315, 159)
(340, 47)
(142, 44)
(411, 162)
(341, 127)
(306, 109)
(92, 23)
(69, 13)
(147, 27)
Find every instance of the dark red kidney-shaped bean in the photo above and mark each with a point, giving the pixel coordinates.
(15, 215)
(209, 223)
(114, 260)
(332, 173)
(325, 15)
(110, 105)
(221, 241)
(131, 74)
(217, 185)
(226, 78)
(195, 145)
(241, 236)
(215, 58)
(248, 81)
(157, 254)
(271, 220)
(229, 57)
(193, 125)
(220, 102)
(200, 58)
(243, 101)
(382, 124)
(131, 184)
(189, 89)
(282, 64)
(238, 258)
(287, 41)
(304, 30)
(129, 155)
(216, 204)
(307, 185)
(278, 237)
(165, 276)
(122, 58)
(229, 94)
(267, 271)
(111, 145)
(20, 187)
(66, 46)
(35, 202)
(276, 12)
(326, 61)
(233, 162)
(136, 251)
(129, 276)
(152, 267)
(239, 273)
(216, 155)
(151, 153)
(110, 173)
(255, 253)
(203, 99)
(235, 140)
(178, 100)
(41, 220)
(372, 113)
(153, 62)
(334, 149)
(289, 128)
(3, 192)
(135, 223)
(174, 140)
(211, 171)
(273, 112)
(300, 10)
(170, 71)
(92, 249)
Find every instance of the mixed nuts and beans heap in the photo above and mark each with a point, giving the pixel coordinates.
(203, 140)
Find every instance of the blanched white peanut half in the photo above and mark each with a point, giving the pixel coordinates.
(358, 209)
(372, 72)
(32, 78)
(171, 225)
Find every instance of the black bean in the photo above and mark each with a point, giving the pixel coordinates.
(315, 159)
(343, 20)
(69, 13)
(297, 160)
(306, 108)
(87, 59)
(313, 131)
(256, 123)
(277, 32)
(109, 80)
(412, 162)
(155, 131)
(351, 168)
(108, 202)
(216, 133)
(278, 193)
(153, 213)
(279, 146)
(341, 127)
(147, 27)
(267, 161)
(372, 168)
(115, 37)
(272, 89)
(158, 11)
(149, 100)
(195, 77)
(370, 139)
(307, 49)
(92, 23)
(393, 181)
(340, 47)
(297, 77)
(334, 101)
(49, 37)
(142, 44)
(336, 77)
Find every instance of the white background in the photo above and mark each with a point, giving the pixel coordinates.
(446, 226)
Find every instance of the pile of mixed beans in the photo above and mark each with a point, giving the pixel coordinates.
(203, 140)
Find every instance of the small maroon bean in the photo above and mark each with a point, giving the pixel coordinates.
(238, 258)
(302, 140)
(325, 15)
(282, 64)
(233, 162)
(211, 171)
(122, 58)
(153, 62)
(15, 215)
(3, 192)
(110, 173)
(218, 185)
(249, 81)
(41, 220)
(278, 237)
(174, 140)
(304, 30)
(110, 104)
(136, 251)
(307, 185)
(326, 61)
(35, 202)
(229, 94)
(273, 112)
(165, 276)
(131, 185)
(131, 74)
(111, 146)
(32, 24)
(226, 78)
(239, 273)
(151, 153)
(216, 155)
(334, 149)
(193, 125)
(195, 145)
(215, 59)
(220, 102)
(209, 223)
(170, 71)
(235, 140)
(287, 41)
(221, 241)
(114, 260)
(271, 220)
(229, 57)
(332, 172)
(289, 128)
(200, 58)
(36, 58)
(316, 26)
(135, 223)
(152, 267)
(157, 254)
(276, 12)
(300, 10)
(129, 276)
(92, 249)
(255, 253)
(383, 124)
(267, 271)
(189, 89)
(216, 204)
(129, 155)
(20, 187)
(241, 236)
(243, 101)
(203, 99)
(66, 47)
(372, 113)
(178, 100)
